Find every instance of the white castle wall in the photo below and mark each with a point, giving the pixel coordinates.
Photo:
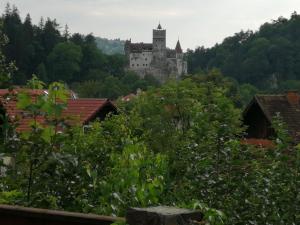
(140, 60)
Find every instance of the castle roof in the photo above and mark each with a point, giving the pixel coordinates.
(178, 47)
(159, 27)
(171, 53)
(139, 47)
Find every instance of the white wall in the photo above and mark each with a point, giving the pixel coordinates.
(140, 60)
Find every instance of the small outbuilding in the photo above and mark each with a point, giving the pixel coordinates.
(260, 112)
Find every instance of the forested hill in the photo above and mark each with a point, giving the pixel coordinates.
(53, 54)
(110, 47)
(268, 58)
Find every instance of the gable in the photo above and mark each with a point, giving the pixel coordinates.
(77, 111)
(273, 105)
(257, 122)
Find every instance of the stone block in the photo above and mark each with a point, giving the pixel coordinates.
(162, 215)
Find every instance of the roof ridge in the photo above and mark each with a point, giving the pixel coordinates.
(270, 95)
(90, 99)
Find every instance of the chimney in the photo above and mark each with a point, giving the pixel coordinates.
(293, 97)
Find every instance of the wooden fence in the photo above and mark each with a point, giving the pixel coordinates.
(16, 215)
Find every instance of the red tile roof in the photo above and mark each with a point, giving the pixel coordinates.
(85, 109)
(263, 143)
(77, 111)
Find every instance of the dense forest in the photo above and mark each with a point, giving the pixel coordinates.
(52, 55)
(269, 58)
(110, 47)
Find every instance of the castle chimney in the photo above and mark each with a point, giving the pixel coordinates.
(293, 97)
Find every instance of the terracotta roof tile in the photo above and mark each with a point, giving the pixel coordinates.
(78, 111)
(262, 143)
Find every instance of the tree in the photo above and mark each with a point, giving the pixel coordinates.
(63, 63)
(247, 91)
(264, 58)
(6, 70)
(50, 35)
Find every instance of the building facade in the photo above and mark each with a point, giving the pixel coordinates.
(155, 58)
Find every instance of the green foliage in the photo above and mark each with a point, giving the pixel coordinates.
(64, 61)
(110, 47)
(247, 91)
(35, 83)
(6, 69)
(111, 87)
(211, 216)
(136, 179)
(11, 197)
(175, 145)
(265, 59)
(71, 58)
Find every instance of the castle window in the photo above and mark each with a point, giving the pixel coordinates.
(146, 59)
(137, 64)
(132, 64)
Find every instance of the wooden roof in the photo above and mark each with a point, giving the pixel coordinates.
(286, 105)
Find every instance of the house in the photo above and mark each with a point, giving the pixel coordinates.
(78, 111)
(260, 112)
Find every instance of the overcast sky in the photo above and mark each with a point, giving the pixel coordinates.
(195, 22)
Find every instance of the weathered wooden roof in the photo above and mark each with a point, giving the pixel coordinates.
(287, 106)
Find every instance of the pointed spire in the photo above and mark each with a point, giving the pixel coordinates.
(178, 47)
(159, 26)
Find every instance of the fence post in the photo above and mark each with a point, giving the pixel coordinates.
(163, 215)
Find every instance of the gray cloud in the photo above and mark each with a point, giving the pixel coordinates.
(196, 22)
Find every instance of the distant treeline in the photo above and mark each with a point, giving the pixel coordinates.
(268, 59)
(60, 56)
(110, 47)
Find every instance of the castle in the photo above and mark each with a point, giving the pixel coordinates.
(155, 58)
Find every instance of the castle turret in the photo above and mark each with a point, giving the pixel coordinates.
(181, 63)
(159, 39)
(178, 48)
(127, 47)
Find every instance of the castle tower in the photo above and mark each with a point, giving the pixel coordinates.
(178, 49)
(181, 63)
(159, 42)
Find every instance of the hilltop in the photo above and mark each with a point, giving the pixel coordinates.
(110, 47)
(268, 58)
